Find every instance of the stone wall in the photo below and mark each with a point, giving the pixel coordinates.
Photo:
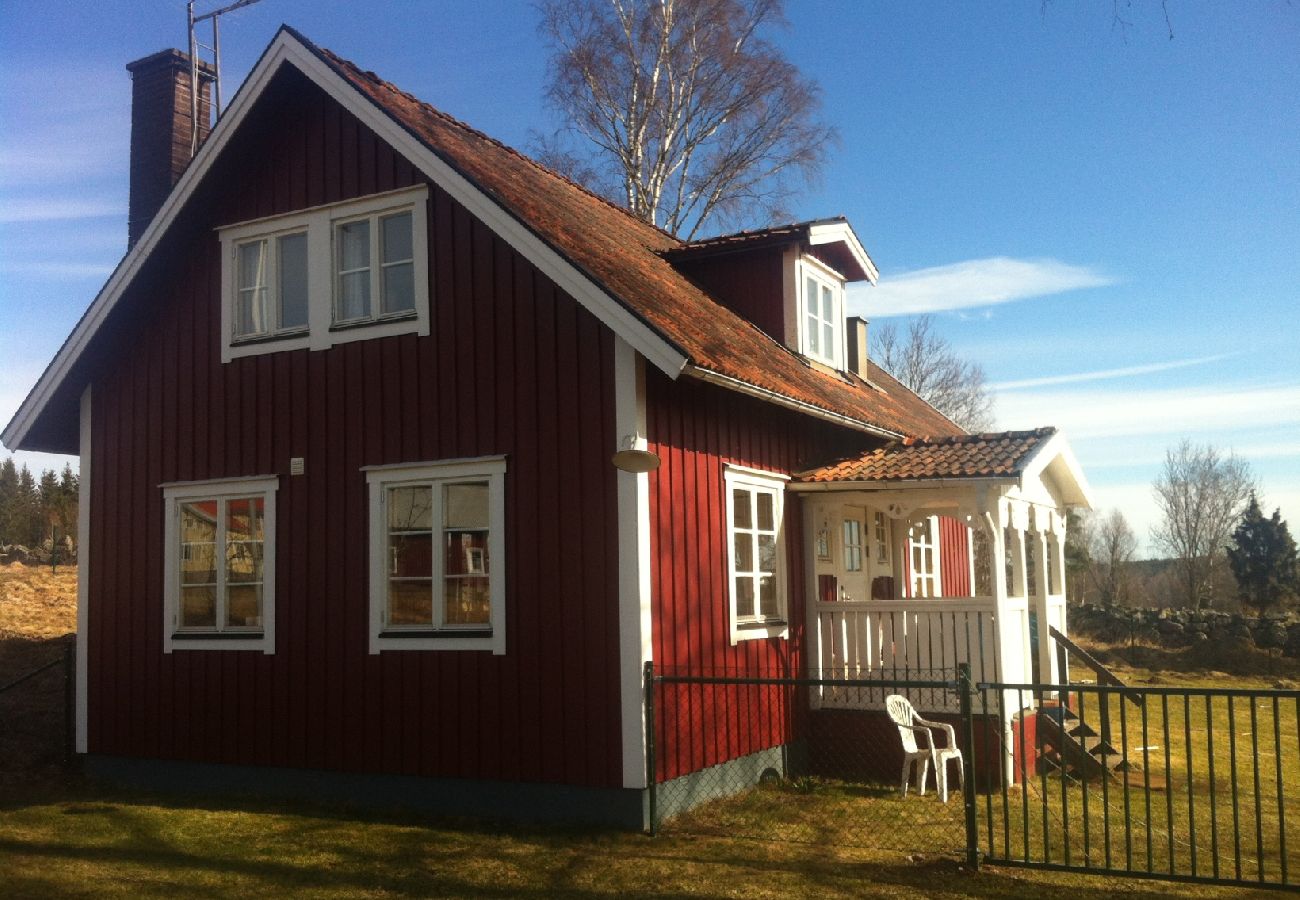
(1185, 627)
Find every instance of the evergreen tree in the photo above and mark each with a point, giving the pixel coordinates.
(1262, 556)
(8, 500)
(27, 511)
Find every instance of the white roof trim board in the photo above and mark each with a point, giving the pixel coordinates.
(287, 48)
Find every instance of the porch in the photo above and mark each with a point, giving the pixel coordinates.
(928, 555)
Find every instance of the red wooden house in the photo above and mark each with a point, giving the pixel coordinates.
(349, 522)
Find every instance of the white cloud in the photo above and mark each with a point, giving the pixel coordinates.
(53, 209)
(1105, 374)
(972, 283)
(1105, 413)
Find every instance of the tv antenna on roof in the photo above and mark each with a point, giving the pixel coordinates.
(215, 48)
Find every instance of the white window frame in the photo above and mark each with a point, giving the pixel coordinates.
(824, 276)
(934, 543)
(275, 330)
(862, 550)
(319, 224)
(491, 469)
(757, 626)
(880, 536)
(223, 489)
(375, 270)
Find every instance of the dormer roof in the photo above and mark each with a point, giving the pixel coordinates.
(833, 241)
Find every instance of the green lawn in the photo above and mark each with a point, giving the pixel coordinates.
(75, 840)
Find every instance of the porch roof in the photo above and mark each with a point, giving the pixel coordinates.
(1004, 454)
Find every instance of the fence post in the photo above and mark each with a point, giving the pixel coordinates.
(652, 788)
(69, 701)
(968, 765)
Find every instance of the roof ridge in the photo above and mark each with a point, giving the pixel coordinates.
(374, 77)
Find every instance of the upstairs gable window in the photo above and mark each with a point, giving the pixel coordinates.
(342, 272)
(821, 313)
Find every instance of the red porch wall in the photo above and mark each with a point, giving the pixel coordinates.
(513, 366)
(954, 556)
(696, 429)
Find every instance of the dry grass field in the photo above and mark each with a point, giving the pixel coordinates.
(38, 616)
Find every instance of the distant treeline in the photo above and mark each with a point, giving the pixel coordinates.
(37, 513)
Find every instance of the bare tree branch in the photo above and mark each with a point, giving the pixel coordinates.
(1201, 494)
(926, 363)
(680, 109)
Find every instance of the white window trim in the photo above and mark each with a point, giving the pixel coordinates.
(824, 275)
(319, 222)
(380, 478)
(744, 477)
(935, 545)
(173, 494)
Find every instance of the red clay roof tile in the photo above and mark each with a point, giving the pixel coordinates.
(1001, 454)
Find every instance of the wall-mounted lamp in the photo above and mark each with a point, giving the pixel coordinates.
(630, 459)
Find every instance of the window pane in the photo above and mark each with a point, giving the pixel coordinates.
(354, 296)
(767, 605)
(252, 265)
(741, 513)
(244, 534)
(250, 307)
(828, 340)
(396, 233)
(467, 505)
(410, 555)
(199, 542)
(410, 602)
(766, 553)
(465, 553)
(744, 552)
(810, 294)
(292, 250)
(744, 596)
(467, 601)
(354, 245)
(765, 520)
(199, 607)
(812, 335)
(244, 606)
(410, 508)
(399, 288)
(827, 298)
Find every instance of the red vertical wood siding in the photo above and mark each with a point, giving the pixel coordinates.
(696, 429)
(954, 557)
(512, 366)
(750, 283)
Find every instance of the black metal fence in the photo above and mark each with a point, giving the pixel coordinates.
(1177, 783)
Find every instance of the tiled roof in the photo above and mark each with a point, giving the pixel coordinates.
(626, 257)
(1002, 454)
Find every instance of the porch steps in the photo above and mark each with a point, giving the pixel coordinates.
(1068, 743)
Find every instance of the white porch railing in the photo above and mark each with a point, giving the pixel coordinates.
(923, 639)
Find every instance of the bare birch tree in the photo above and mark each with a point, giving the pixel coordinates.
(927, 363)
(1111, 545)
(683, 111)
(1201, 495)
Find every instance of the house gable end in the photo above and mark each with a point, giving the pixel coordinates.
(61, 383)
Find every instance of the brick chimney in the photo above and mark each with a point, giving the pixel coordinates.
(160, 130)
(856, 361)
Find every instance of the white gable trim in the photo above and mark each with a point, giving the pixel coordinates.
(287, 48)
(836, 232)
(1055, 454)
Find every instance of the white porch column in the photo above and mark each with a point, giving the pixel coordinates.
(1046, 658)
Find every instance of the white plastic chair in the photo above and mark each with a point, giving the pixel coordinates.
(909, 726)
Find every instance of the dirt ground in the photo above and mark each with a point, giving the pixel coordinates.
(38, 619)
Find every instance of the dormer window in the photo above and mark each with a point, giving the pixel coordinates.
(821, 313)
(311, 279)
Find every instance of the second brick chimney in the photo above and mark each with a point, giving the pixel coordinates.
(160, 130)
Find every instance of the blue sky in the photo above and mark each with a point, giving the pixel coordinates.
(1106, 219)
